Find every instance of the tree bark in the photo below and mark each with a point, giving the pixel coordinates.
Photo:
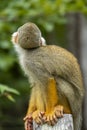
(64, 123)
(74, 33)
(77, 42)
(84, 67)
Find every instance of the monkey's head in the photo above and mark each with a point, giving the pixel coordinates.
(28, 36)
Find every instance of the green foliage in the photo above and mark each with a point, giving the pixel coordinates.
(6, 91)
(48, 15)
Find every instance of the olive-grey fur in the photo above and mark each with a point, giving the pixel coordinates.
(39, 64)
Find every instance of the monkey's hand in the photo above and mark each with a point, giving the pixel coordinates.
(38, 117)
(52, 117)
(53, 111)
(28, 122)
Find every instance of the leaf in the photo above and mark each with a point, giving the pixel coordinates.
(4, 88)
(5, 91)
(9, 96)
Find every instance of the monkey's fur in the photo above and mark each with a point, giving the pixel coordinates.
(52, 62)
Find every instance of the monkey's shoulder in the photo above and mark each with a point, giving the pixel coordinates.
(52, 56)
(57, 52)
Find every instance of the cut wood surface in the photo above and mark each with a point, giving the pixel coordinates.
(64, 123)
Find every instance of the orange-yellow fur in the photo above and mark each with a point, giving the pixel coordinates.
(53, 101)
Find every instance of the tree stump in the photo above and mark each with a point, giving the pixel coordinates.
(64, 123)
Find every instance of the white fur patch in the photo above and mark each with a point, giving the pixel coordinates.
(14, 35)
(43, 41)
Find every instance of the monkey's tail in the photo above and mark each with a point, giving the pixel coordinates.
(77, 120)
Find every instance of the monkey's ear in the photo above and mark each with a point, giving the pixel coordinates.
(43, 42)
(14, 38)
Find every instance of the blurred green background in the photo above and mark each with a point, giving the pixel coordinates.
(51, 18)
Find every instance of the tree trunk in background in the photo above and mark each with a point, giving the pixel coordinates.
(52, 38)
(73, 34)
(84, 66)
(77, 44)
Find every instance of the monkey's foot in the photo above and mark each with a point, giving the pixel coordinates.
(28, 122)
(38, 117)
(52, 117)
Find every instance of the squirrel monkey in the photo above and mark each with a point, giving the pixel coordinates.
(54, 75)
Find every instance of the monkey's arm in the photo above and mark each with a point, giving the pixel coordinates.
(36, 105)
(54, 110)
(34, 111)
(48, 110)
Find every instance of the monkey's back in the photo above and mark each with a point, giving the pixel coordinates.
(55, 61)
